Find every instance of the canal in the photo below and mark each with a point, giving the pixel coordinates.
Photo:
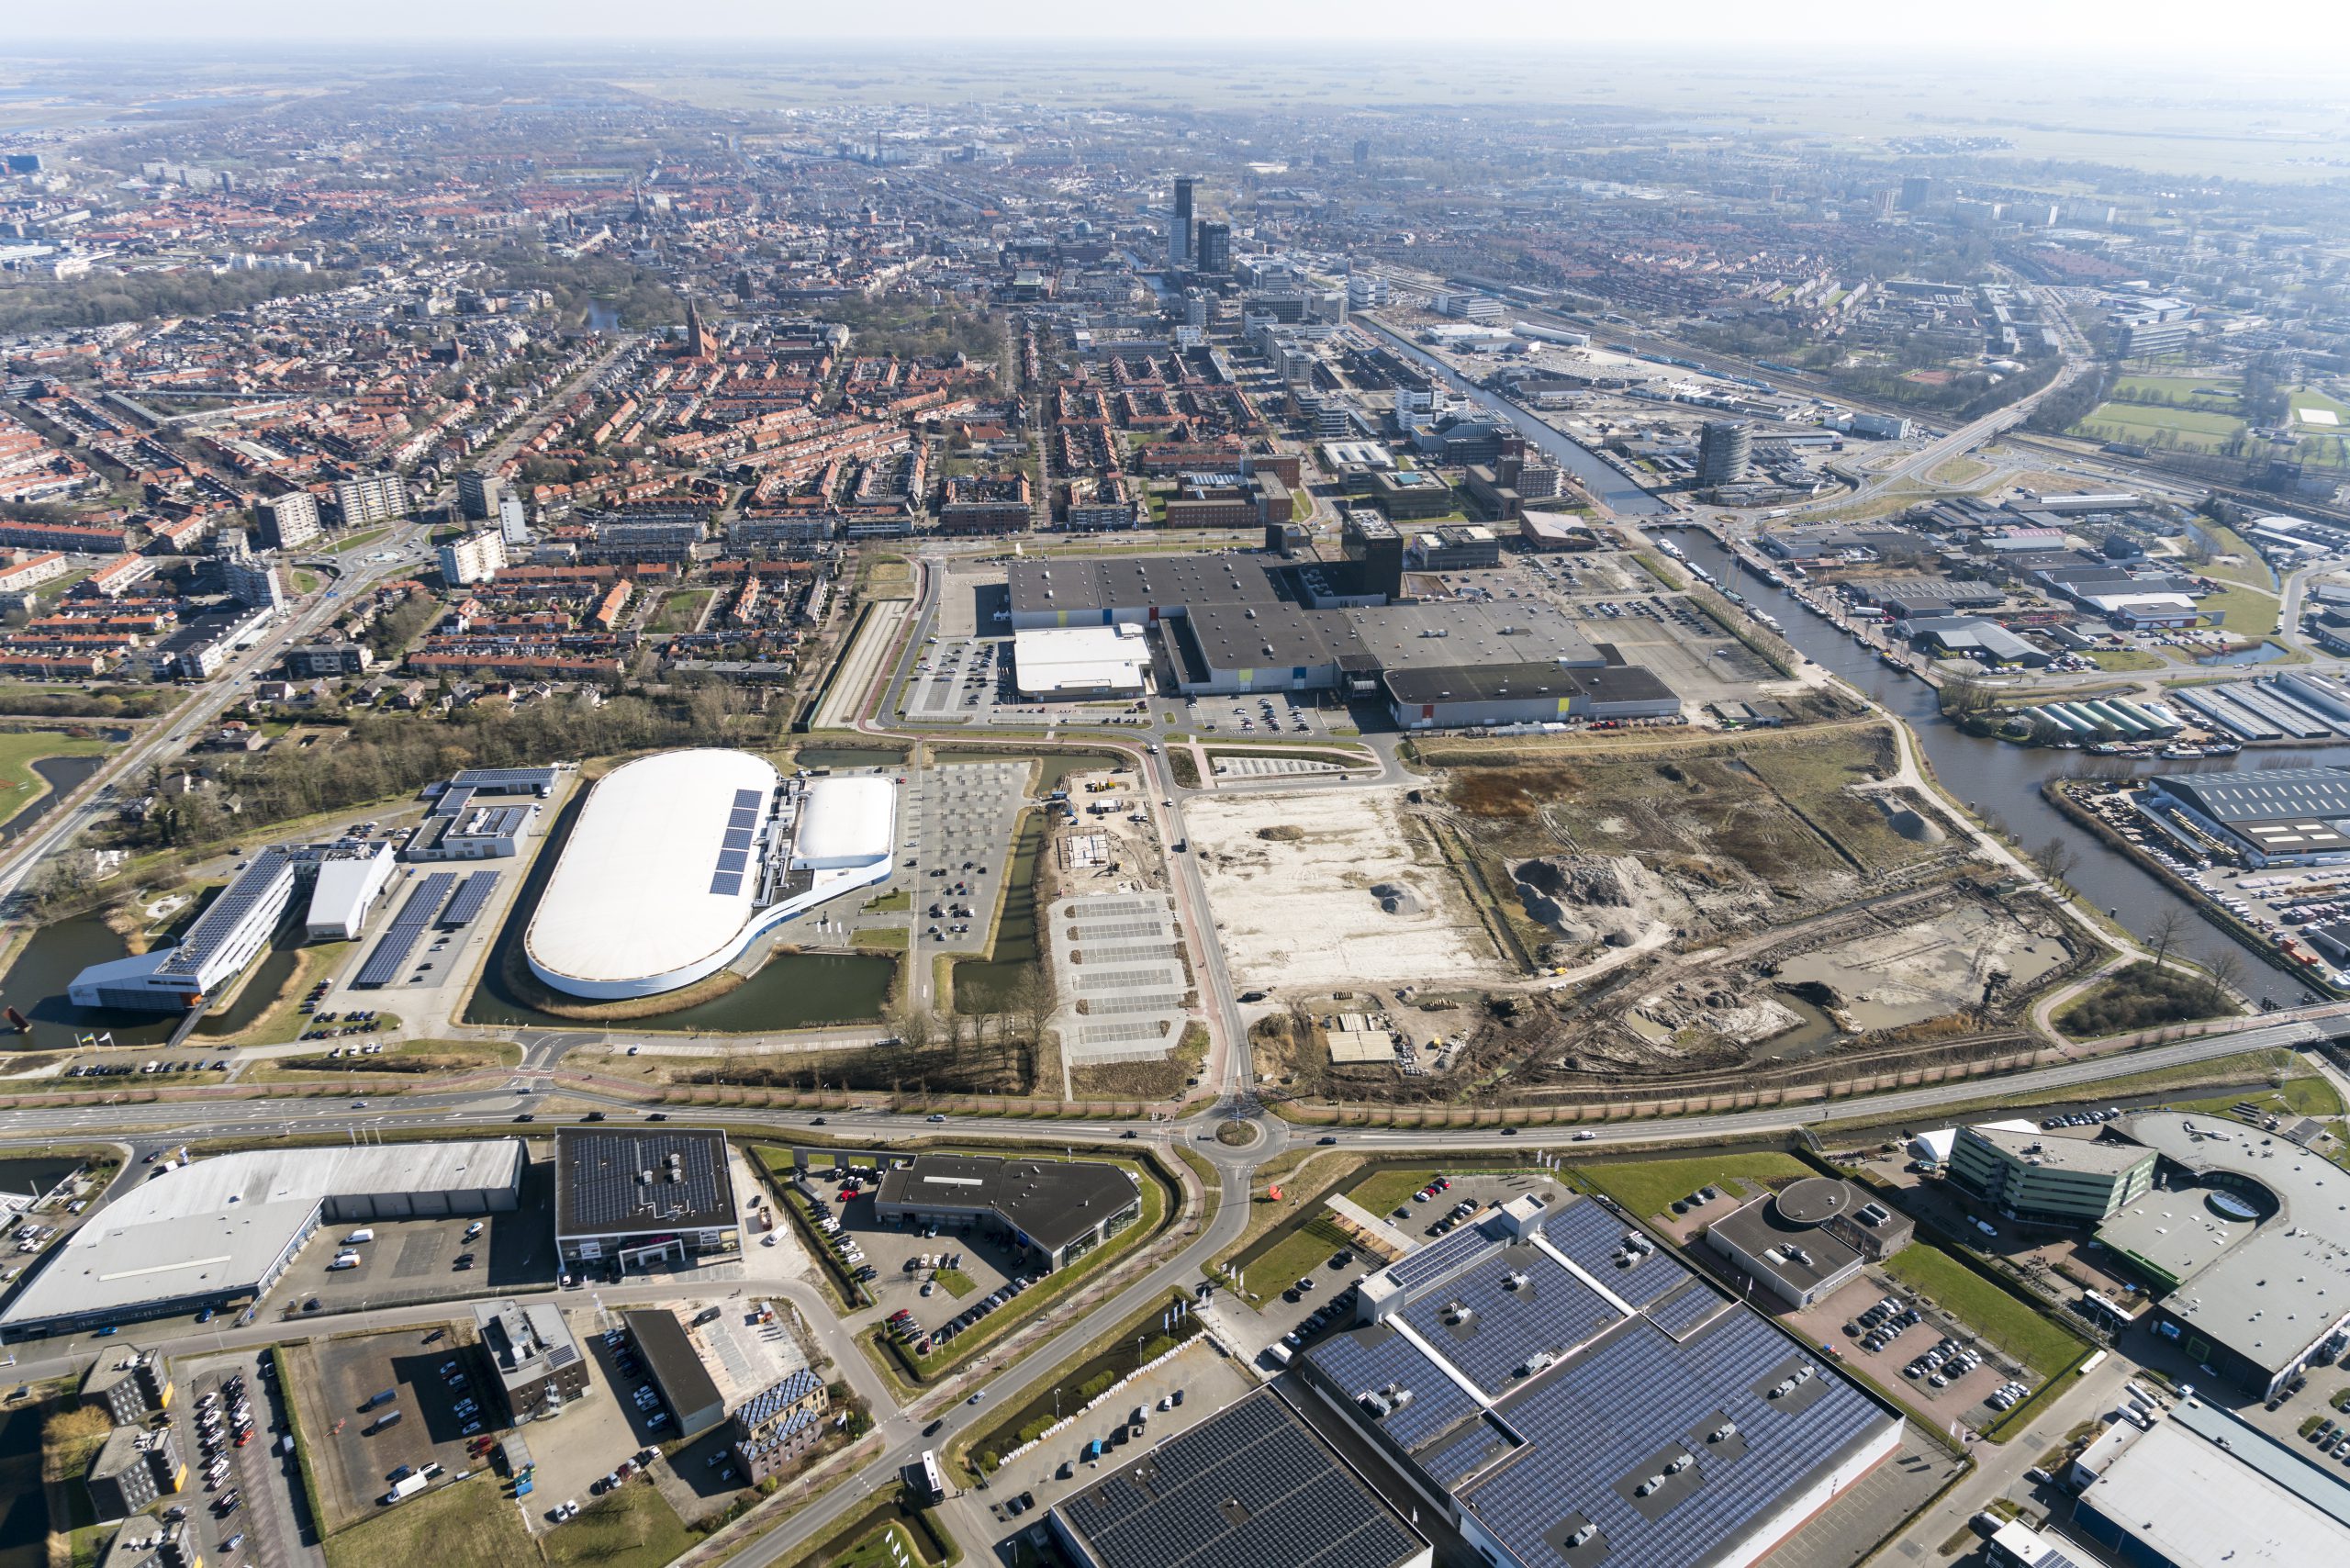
(63, 775)
(1998, 780)
(1607, 484)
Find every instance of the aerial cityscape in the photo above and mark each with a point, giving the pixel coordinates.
(1326, 796)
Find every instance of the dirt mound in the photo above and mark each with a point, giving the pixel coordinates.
(1586, 880)
(1395, 898)
(1591, 899)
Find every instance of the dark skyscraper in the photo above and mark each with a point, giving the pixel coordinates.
(1214, 247)
(1179, 229)
(1362, 150)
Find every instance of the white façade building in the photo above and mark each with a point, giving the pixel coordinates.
(679, 861)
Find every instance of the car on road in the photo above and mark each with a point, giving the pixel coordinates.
(935, 1427)
(935, 1117)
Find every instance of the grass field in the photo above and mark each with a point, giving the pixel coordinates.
(20, 785)
(633, 1527)
(1995, 1317)
(2250, 570)
(1647, 1187)
(2190, 430)
(875, 1550)
(2213, 389)
(955, 1283)
(681, 611)
(2245, 611)
(467, 1518)
(2308, 1095)
(358, 541)
(2123, 660)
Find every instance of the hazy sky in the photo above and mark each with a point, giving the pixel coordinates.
(2318, 30)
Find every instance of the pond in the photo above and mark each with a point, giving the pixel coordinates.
(36, 983)
(63, 775)
(24, 1512)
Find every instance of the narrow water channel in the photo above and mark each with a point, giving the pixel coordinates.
(1998, 779)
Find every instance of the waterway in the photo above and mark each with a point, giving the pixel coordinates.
(63, 775)
(988, 984)
(36, 1174)
(1998, 780)
(24, 1507)
(35, 985)
(1607, 484)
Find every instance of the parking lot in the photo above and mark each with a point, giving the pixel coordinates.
(442, 1396)
(955, 837)
(958, 678)
(424, 1260)
(935, 1274)
(1966, 1397)
(596, 1433)
(242, 1486)
(1201, 1376)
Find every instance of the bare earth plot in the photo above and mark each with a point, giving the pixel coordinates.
(1292, 880)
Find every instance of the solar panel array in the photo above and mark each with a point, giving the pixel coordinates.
(1497, 1327)
(1249, 1487)
(1686, 1309)
(762, 1407)
(472, 893)
(399, 938)
(1595, 1421)
(600, 1190)
(1594, 1235)
(734, 850)
(1369, 1360)
(221, 917)
(506, 779)
(1448, 1252)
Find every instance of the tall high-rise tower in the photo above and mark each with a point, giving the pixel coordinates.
(1179, 229)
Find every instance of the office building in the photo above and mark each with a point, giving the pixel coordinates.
(540, 1369)
(1561, 1390)
(775, 1427)
(1362, 153)
(132, 1469)
(130, 1385)
(254, 583)
(513, 524)
(480, 494)
(1055, 1211)
(1376, 548)
(312, 660)
(2243, 1240)
(1725, 452)
(351, 877)
(148, 1542)
(371, 497)
(1179, 226)
(1215, 248)
(476, 558)
(2044, 1179)
(1809, 1241)
(229, 934)
(1252, 1486)
(287, 521)
(636, 1197)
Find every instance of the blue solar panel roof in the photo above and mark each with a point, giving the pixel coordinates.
(1448, 1252)
(1489, 1317)
(737, 838)
(1593, 1236)
(1372, 1358)
(726, 884)
(750, 798)
(734, 859)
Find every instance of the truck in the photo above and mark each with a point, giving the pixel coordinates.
(343, 1261)
(405, 1487)
(356, 1237)
(381, 1396)
(387, 1420)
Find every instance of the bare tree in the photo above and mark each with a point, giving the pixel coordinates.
(2225, 967)
(1032, 1002)
(2168, 927)
(2055, 858)
(914, 1028)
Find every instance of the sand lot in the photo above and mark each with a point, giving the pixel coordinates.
(1292, 880)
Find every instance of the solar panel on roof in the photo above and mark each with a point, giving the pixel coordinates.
(226, 913)
(732, 859)
(727, 884)
(1593, 1236)
(750, 798)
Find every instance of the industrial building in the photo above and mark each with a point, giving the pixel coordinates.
(1811, 1239)
(144, 1542)
(643, 1196)
(2275, 816)
(2043, 1179)
(1561, 1391)
(679, 861)
(2198, 1486)
(470, 824)
(2244, 1238)
(223, 1230)
(229, 936)
(685, 1384)
(540, 1369)
(1233, 624)
(350, 878)
(1065, 664)
(1055, 1211)
(1252, 1485)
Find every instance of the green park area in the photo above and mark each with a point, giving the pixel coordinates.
(1990, 1312)
(1647, 1187)
(20, 749)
